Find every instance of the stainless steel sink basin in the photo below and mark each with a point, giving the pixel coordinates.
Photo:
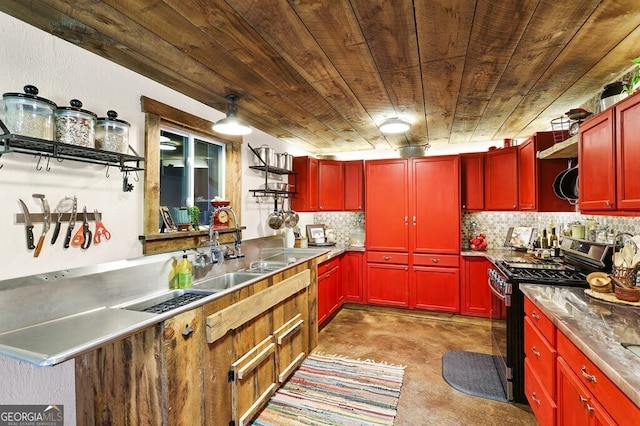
(226, 281)
(168, 301)
(264, 266)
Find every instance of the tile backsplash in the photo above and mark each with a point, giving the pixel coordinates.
(341, 222)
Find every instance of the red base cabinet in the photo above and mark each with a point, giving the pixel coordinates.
(329, 288)
(437, 289)
(474, 291)
(388, 284)
(353, 277)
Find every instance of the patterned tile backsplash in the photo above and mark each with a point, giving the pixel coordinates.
(494, 224)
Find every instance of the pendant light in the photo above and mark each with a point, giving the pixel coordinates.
(394, 125)
(231, 124)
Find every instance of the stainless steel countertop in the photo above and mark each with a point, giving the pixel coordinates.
(59, 339)
(597, 328)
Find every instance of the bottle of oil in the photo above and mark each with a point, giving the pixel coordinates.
(185, 273)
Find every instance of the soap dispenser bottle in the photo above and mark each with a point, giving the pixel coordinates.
(185, 273)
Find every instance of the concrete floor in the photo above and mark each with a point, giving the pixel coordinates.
(418, 340)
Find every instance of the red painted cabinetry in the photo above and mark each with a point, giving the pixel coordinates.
(474, 292)
(353, 276)
(306, 181)
(330, 185)
(330, 290)
(472, 181)
(354, 185)
(501, 179)
(628, 153)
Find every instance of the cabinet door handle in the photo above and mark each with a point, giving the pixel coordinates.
(536, 400)
(187, 331)
(435, 260)
(406, 220)
(514, 206)
(414, 221)
(386, 257)
(535, 352)
(588, 376)
(535, 316)
(607, 203)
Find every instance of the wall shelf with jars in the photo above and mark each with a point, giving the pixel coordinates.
(268, 161)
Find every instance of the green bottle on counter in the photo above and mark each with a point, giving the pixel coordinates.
(173, 274)
(185, 273)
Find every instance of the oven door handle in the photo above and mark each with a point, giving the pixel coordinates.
(506, 298)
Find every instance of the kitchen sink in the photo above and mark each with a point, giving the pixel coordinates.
(226, 281)
(267, 266)
(169, 301)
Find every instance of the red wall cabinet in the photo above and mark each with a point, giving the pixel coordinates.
(306, 181)
(354, 185)
(472, 181)
(475, 293)
(596, 156)
(501, 179)
(353, 276)
(330, 185)
(628, 153)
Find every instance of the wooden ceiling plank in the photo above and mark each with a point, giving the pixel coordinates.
(497, 28)
(551, 28)
(390, 30)
(443, 28)
(190, 41)
(594, 57)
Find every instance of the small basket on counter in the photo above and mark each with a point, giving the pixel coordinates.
(624, 267)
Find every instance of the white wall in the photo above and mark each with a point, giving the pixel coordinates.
(62, 72)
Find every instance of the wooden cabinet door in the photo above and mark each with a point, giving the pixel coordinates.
(436, 289)
(387, 205)
(434, 221)
(306, 184)
(475, 293)
(596, 159)
(291, 348)
(472, 181)
(330, 185)
(501, 179)
(628, 153)
(388, 284)
(527, 176)
(353, 276)
(354, 185)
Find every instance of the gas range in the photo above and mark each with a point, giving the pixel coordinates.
(519, 270)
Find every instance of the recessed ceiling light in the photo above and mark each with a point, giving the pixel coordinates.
(394, 125)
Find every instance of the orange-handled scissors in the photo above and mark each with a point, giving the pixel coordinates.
(101, 231)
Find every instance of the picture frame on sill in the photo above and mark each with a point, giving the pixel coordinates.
(315, 233)
(168, 225)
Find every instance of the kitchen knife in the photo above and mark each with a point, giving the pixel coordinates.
(46, 217)
(72, 222)
(28, 225)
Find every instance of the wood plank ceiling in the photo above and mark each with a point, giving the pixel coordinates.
(324, 74)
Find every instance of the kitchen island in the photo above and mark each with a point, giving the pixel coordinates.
(590, 333)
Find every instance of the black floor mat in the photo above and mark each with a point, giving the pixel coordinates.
(473, 373)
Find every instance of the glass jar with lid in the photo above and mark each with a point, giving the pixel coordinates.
(27, 114)
(75, 125)
(112, 134)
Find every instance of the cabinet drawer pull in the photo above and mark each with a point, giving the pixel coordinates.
(536, 400)
(187, 331)
(588, 376)
(386, 257)
(535, 316)
(589, 408)
(535, 352)
(582, 399)
(435, 260)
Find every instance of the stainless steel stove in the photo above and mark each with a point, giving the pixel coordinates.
(578, 258)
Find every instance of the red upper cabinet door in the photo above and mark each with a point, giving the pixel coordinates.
(596, 159)
(435, 205)
(354, 185)
(330, 185)
(387, 205)
(501, 179)
(306, 181)
(527, 175)
(472, 177)
(628, 153)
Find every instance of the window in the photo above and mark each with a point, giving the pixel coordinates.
(192, 171)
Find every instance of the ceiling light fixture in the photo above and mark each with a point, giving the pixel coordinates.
(166, 144)
(231, 124)
(394, 125)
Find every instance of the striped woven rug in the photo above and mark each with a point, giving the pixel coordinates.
(335, 390)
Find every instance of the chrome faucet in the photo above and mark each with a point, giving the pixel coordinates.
(238, 235)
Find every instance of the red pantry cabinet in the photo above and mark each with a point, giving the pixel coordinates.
(413, 211)
(501, 179)
(330, 185)
(306, 181)
(472, 181)
(354, 185)
(596, 159)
